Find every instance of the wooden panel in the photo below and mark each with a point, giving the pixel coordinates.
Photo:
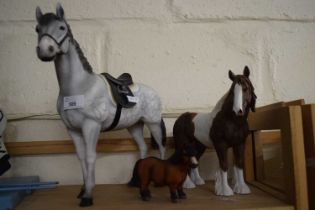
(293, 158)
(289, 121)
(258, 157)
(249, 160)
(270, 137)
(66, 146)
(280, 104)
(104, 145)
(267, 120)
(270, 106)
(275, 192)
(308, 112)
(295, 102)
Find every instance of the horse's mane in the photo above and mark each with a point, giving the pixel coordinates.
(228, 102)
(187, 150)
(83, 59)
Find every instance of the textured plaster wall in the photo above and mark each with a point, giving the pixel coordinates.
(181, 48)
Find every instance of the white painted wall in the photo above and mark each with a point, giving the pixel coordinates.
(182, 48)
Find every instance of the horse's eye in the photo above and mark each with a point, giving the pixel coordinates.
(62, 28)
(37, 29)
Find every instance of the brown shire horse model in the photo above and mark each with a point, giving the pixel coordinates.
(171, 172)
(226, 126)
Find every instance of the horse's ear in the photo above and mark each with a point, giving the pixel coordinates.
(59, 11)
(246, 71)
(231, 75)
(39, 13)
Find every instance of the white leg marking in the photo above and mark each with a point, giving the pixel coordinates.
(136, 132)
(238, 99)
(156, 132)
(240, 186)
(194, 160)
(188, 184)
(195, 177)
(221, 185)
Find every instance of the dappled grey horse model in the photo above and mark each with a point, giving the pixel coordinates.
(85, 103)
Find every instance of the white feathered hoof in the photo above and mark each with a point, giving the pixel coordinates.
(221, 186)
(195, 177)
(199, 181)
(241, 189)
(223, 190)
(188, 184)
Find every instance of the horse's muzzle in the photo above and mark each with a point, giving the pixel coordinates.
(240, 113)
(44, 58)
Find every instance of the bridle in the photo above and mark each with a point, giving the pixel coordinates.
(55, 40)
(61, 40)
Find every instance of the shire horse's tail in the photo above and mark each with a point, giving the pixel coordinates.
(135, 180)
(154, 145)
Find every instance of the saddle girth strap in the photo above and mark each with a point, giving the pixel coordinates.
(116, 118)
(121, 93)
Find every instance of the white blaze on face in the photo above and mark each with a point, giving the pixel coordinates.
(194, 160)
(238, 99)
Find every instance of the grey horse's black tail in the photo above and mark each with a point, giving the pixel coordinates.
(135, 180)
(154, 145)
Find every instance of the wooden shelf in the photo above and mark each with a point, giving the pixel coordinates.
(118, 197)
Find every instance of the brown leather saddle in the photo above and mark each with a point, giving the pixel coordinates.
(121, 93)
(120, 89)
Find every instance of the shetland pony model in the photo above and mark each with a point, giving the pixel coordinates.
(226, 126)
(171, 172)
(85, 103)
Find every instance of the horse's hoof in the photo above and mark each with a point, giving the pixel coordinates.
(146, 198)
(81, 193)
(242, 189)
(85, 202)
(181, 195)
(132, 183)
(174, 197)
(188, 184)
(199, 181)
